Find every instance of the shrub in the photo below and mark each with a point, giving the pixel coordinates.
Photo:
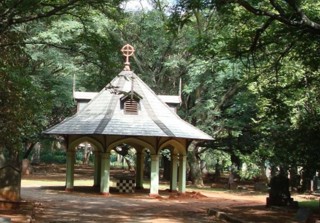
(53, 156)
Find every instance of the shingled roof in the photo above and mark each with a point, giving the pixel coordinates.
(105, 114)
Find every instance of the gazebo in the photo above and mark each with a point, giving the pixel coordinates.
(128, 112)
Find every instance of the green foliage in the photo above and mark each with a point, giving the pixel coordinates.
(312, 204)
(250, 70)
(131, 157)
(252, 163)
(157, 58)
(250, 78)
(113, 157)
(92, 51)
(53, 156)
(283, 75)
(42, 47)
(166, 153)
(23, 106)
(214, 158)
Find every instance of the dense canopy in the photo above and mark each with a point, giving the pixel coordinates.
(249, 71)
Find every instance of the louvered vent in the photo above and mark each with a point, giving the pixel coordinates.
(131, 107)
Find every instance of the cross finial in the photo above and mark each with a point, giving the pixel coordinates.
(127, 51)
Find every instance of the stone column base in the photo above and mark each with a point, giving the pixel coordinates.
(69, 189)
(105, 194)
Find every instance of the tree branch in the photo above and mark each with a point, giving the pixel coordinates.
(277, 7)
(230, 93)
(15, 17)
(29, 150)
(303, 22)
(259, 33)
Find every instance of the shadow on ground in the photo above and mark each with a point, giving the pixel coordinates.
(85, 204)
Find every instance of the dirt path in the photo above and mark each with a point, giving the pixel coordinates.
(55, 205)
(73, 207)
(45, 192)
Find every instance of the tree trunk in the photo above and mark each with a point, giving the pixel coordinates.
(36, 155)
(10, 176)
(217, 171)
(194, 164)
(306, 180)
(236, 162)
(263, 176)
(86, 153)
(129, 164)
(147, 165)
(28, 149)
(294, 178)
(166, 168)
(2, 158)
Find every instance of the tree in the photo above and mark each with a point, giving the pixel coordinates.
(216, 97)
(273, 52)
(281, 48)
(26, 43)
(15, 12)
(35, 83)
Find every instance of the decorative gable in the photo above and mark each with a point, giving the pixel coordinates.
(130, 103)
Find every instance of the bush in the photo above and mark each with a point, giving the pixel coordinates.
(53, 156)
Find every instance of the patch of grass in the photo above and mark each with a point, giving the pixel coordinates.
(313, 204)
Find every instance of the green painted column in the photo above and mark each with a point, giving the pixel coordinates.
(174, 172)
(105, 173)
(182, 173)
(97, 169)
(139, 170)
(154, 179)
(70, 170)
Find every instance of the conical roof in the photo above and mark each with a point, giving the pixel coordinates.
(105, 115)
